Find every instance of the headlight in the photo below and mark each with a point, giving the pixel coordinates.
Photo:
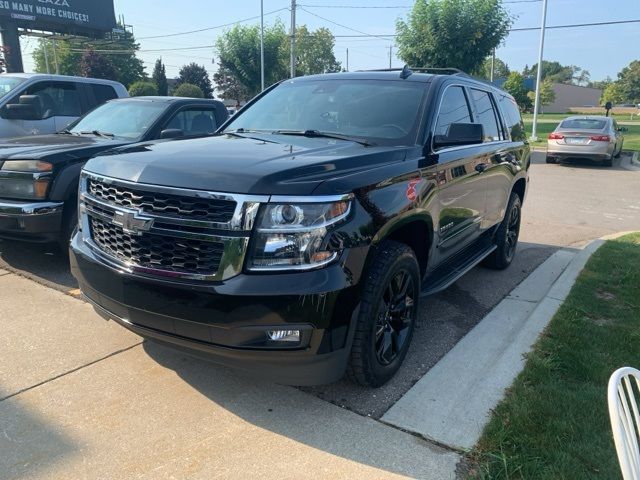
(291, 236)
(25, 179)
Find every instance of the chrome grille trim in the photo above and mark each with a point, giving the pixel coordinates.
(233, 235)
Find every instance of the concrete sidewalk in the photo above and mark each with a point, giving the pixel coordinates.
(83, 399)
(452, 403)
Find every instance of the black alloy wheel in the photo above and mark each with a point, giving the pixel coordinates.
(506, 236)
(395, 317)
(387, 315)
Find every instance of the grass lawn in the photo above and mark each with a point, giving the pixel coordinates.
(556, 117)
(631, 137)
(554, 423)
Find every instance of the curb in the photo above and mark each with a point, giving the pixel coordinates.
(452, 403)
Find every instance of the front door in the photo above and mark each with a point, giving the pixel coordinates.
(461, 185)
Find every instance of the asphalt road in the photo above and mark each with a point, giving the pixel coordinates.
(567, 205)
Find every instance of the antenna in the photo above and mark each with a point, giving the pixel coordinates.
(406, 72)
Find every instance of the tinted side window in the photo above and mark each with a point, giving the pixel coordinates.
(453, 109)
(486, 115)
(512, 116)
(194, 121)
(56, 98)
(102, 93)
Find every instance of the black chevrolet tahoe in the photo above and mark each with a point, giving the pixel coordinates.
(39, 173)
(297, 243)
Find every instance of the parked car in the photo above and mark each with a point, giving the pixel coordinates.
(592, 137)
(37, 104)
(39, 174)
(297, 242)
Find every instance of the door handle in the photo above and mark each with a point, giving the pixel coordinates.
(481, 167)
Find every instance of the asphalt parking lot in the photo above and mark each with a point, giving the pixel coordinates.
(567, 205)
(85, 398)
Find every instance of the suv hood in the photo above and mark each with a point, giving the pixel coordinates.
(278, 165)
(55, 148)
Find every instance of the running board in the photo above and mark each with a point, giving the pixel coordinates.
(446, 274)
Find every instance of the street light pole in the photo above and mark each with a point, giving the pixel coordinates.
(534, 131)
(262, 44)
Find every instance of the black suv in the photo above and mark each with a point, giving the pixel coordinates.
(297, 242)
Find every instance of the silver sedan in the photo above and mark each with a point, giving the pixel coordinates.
(593, 137)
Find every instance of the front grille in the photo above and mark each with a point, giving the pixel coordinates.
(165, 204)
(157, 252)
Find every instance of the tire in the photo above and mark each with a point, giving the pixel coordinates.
(69, 226)
(619, 154)
(506, 237)
(384, 326)
(551, 159)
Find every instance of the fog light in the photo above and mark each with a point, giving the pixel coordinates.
(283, 335)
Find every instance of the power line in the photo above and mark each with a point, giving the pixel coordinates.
(343, 26)
(212, 28)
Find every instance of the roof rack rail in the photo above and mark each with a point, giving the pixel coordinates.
(406, 71)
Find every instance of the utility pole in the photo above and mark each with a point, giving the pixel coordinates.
(493, 63)
(390, 53)
(46, 55)
(55, 56)
(293, 38)
(534, 130)
(262, 44)
(347, 59)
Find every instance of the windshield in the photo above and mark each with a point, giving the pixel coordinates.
(7, 84)
(380, 112)
(584, 124)
(128, 119)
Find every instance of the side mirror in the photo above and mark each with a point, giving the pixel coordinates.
(28, 108)
(171, 133)
(460, 134)
(623, 129)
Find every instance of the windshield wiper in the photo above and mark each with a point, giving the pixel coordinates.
(241, 133)
(319, 134)
(98, 133)
(66, 132)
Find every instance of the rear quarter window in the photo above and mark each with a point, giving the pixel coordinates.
(512, 117)
(102, 93)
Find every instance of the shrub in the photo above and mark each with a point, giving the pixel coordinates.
(140, 89)
(188, 90)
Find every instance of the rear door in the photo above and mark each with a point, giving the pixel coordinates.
(461, 188)
(505, 147)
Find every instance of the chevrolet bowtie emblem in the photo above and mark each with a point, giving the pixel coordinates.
(132, 222)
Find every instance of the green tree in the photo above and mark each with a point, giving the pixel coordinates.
(196, 75)
(515, 86)
(119, 49)
(95, 65)
(315, 51)
(188, 90)
(500, 69)
(547, 95)
(629, 79)
(558, 73)
(159, 77)
(238, 76)
(452, 33)
(613, 93)
(142, 89)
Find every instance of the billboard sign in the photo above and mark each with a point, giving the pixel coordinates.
(82, 17)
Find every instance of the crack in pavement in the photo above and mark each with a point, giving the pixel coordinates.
(73, 370)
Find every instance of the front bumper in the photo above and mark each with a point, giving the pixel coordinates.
(33, 221)
(226, 322)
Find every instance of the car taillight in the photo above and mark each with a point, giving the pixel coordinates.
(600, 138)
(556, 136)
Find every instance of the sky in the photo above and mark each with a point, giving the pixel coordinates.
(602, 50)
